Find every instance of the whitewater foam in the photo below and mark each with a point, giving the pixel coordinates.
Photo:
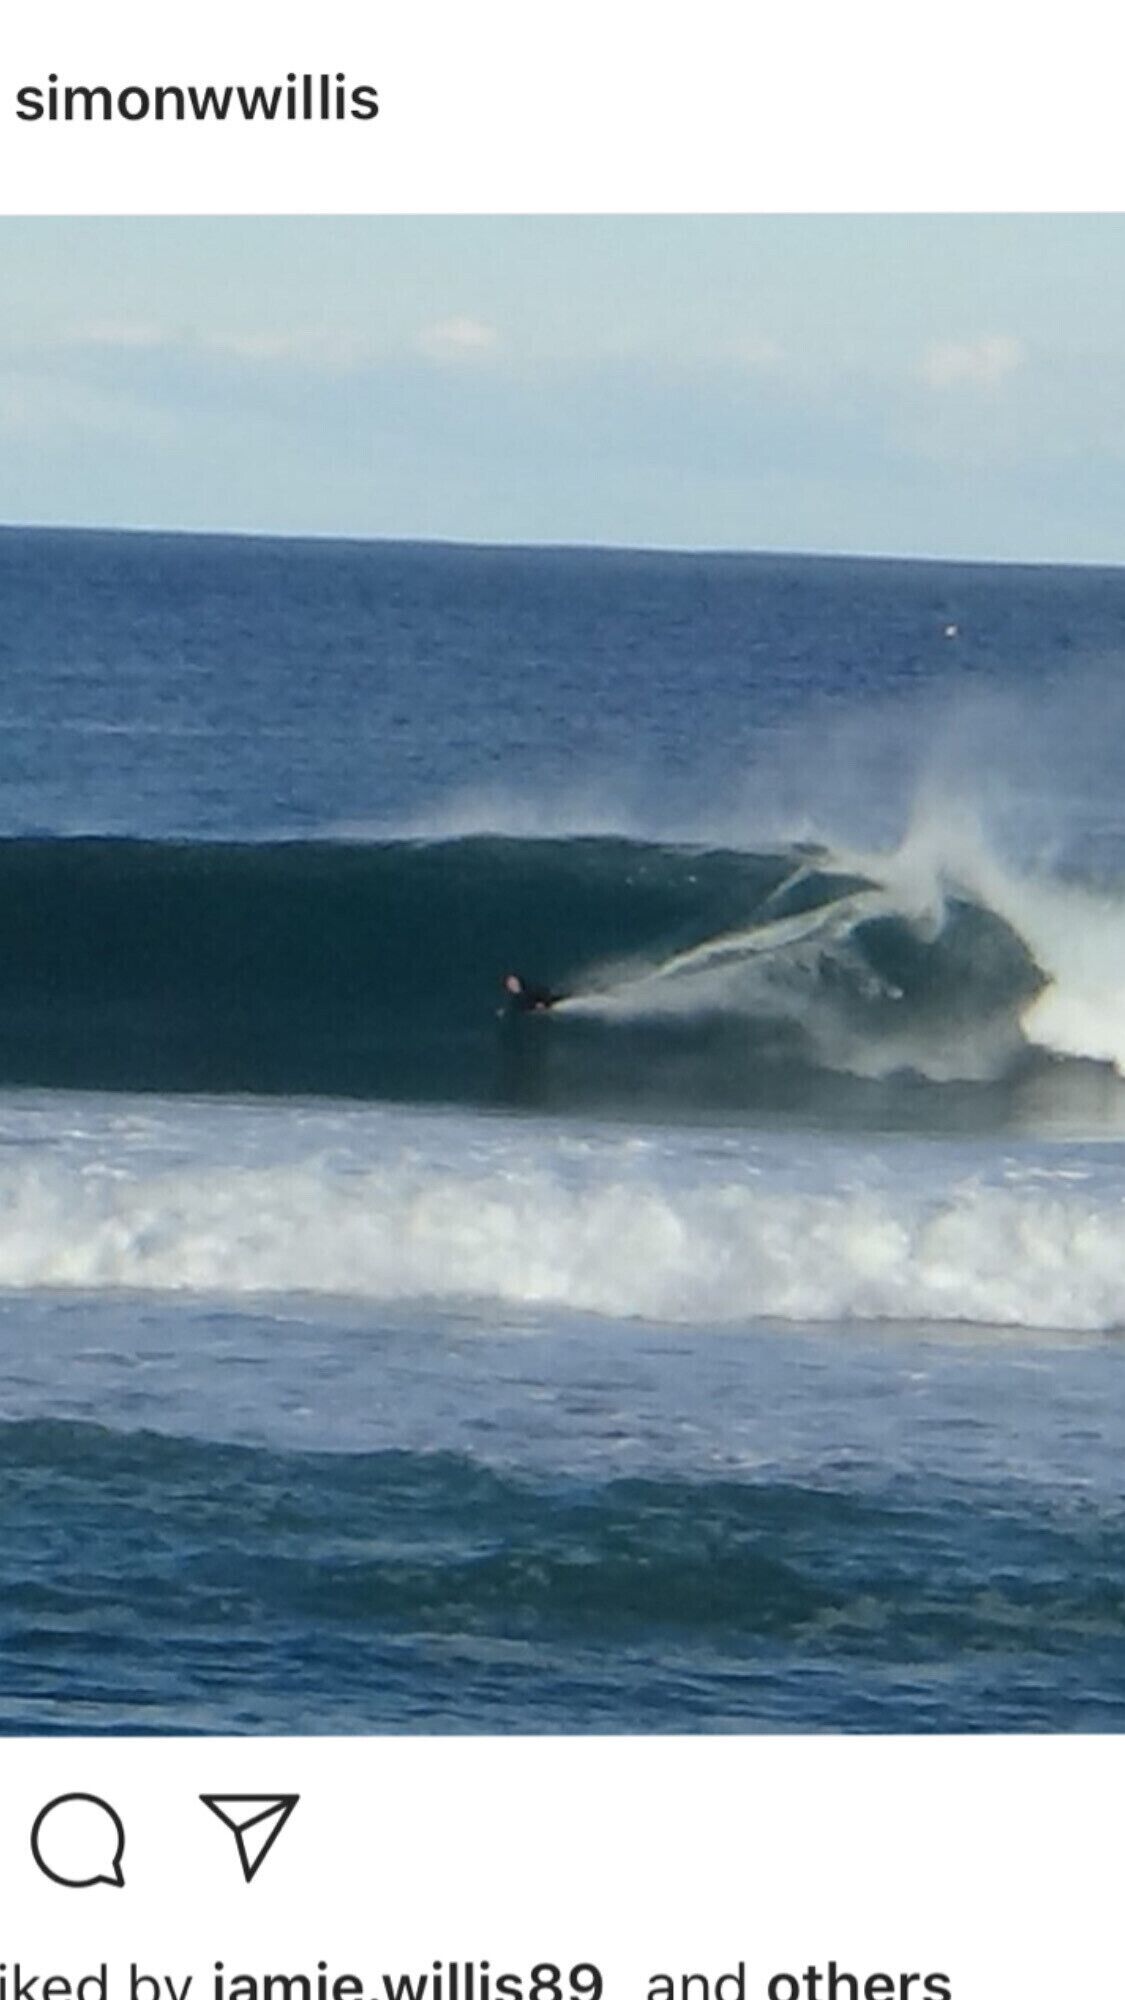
(684, 1227)
(1073, 932)
(1073, 935)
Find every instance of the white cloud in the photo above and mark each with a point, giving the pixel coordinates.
(333, 349)
(43, 409)
(976, 364)
(457, 339)
(131, 335)
(758, 353)
(327, 349)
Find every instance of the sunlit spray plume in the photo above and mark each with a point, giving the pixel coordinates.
(1074, 933)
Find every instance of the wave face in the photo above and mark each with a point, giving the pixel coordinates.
(323, 968)
(700, 980)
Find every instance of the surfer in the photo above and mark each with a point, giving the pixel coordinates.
(524, 998)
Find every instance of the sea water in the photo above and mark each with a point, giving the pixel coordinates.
(736, 1346)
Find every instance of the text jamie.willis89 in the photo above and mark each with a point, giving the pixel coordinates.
(301, 97)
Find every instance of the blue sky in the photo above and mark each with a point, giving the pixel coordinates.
(914, 385)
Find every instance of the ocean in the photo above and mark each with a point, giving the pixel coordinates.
(735, 1346)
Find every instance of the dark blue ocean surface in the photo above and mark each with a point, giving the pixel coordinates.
(570, 1528)
(736, 1345)
(219, 687)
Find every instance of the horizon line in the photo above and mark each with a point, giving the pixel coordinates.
(576, 545)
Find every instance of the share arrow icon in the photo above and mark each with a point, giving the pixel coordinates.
(254, 1818)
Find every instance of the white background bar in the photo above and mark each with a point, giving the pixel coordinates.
(993, 1862)
(599, 105)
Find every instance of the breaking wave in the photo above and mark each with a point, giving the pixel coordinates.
(695, 979)
(684, 1226)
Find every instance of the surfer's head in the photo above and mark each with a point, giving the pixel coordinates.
(512, 983)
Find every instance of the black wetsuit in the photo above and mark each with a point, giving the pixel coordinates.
(530, 999)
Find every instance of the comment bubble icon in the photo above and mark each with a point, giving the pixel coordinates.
(78, 1840)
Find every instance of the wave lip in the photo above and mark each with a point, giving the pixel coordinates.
(680, 1226)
